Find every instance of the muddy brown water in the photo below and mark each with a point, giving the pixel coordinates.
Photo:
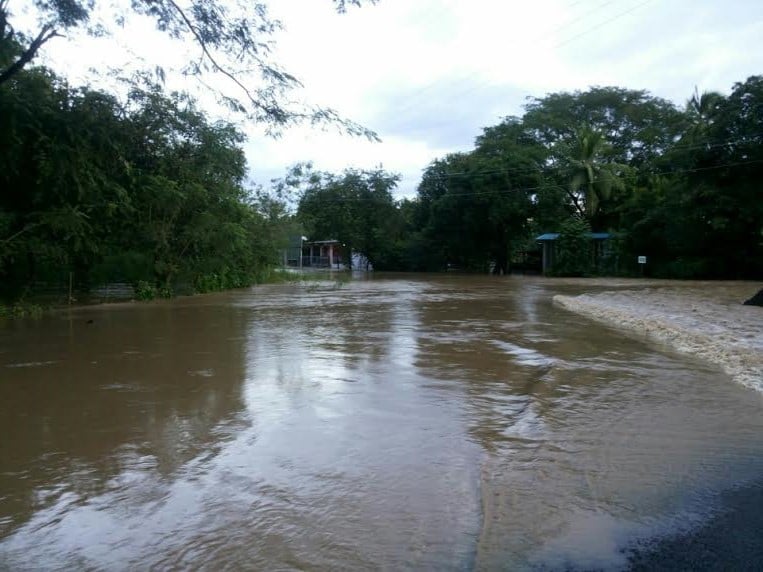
(390, 423)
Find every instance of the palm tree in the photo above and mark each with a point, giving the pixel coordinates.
(592, 179)
(701, 109)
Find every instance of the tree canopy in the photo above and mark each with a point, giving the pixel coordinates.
(679, 185)
(148, 190)
(356, 208)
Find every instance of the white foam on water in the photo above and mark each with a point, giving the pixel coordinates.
(694, 321)
(31, 364)
(525, 356)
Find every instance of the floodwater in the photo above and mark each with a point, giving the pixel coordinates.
(389, 423)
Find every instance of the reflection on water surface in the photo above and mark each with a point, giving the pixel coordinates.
(416, 422)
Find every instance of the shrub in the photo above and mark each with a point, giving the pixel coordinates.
(21, 309)
(574, 253)
(145, 290)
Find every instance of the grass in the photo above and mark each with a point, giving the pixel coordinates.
(145, 291)
(21, 309)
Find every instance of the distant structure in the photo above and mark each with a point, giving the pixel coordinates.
(292, 254)
(323, 254)
(360, 262)
(548, 242)
(304, 253)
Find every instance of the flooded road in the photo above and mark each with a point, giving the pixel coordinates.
(396, 423)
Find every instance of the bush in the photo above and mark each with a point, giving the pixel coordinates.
(574, 251)
(145, 291)
(21, 310)
(225, 279)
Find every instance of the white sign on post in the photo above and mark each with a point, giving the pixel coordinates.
(642, 259)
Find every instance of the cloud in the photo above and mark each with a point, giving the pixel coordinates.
(439, 116)
(429, 75)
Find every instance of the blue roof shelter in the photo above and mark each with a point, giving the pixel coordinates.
(548, 239)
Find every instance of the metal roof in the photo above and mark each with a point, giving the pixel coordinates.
(554, 235)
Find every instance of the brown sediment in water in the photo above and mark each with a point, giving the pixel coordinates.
(706, 320)
(420, 422)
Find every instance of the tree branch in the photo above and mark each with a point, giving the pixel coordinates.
(576, 202)
(45, 34)
(4, 21)
(22, 231)
(278, 115)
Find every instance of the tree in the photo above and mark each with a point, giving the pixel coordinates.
(573, 248)
(591, 181)
(701, 110)
(356, 208)
(637, 126)
(477, 206)
(233, 40)
(722, 189)
(149, 191)
(702, 216)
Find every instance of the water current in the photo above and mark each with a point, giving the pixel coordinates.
(398, 422)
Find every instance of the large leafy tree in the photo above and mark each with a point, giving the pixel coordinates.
(60, 170)
(147, 190)
(357, 208)
(723, 191)
(679, 185)
(477, 206)
(637, 125)
(702, 216)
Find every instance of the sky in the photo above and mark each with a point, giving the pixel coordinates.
(428, 75)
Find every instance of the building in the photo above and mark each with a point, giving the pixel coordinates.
(304, 253)
(323, 254)
(292, 254)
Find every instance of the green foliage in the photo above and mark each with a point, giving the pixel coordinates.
(637, 126)
(475, 208)
(703, 217)
(592, 182)
(679, 186)
(21, 309)
(573, 249)
(148, 191)
(357, 209)
(145, 291)
(144, 192)
(225, 279)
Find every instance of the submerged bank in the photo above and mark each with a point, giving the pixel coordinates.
(706, 320)
(119, 294)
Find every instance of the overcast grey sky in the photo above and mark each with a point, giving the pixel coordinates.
(427, 75)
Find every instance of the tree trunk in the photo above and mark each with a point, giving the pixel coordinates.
(501, 264)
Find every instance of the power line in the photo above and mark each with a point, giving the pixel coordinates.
(549, 186)
(475, 73)
(560, 187)
(507, 170)
(602, 24)
(583, 15)
(483, 85)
